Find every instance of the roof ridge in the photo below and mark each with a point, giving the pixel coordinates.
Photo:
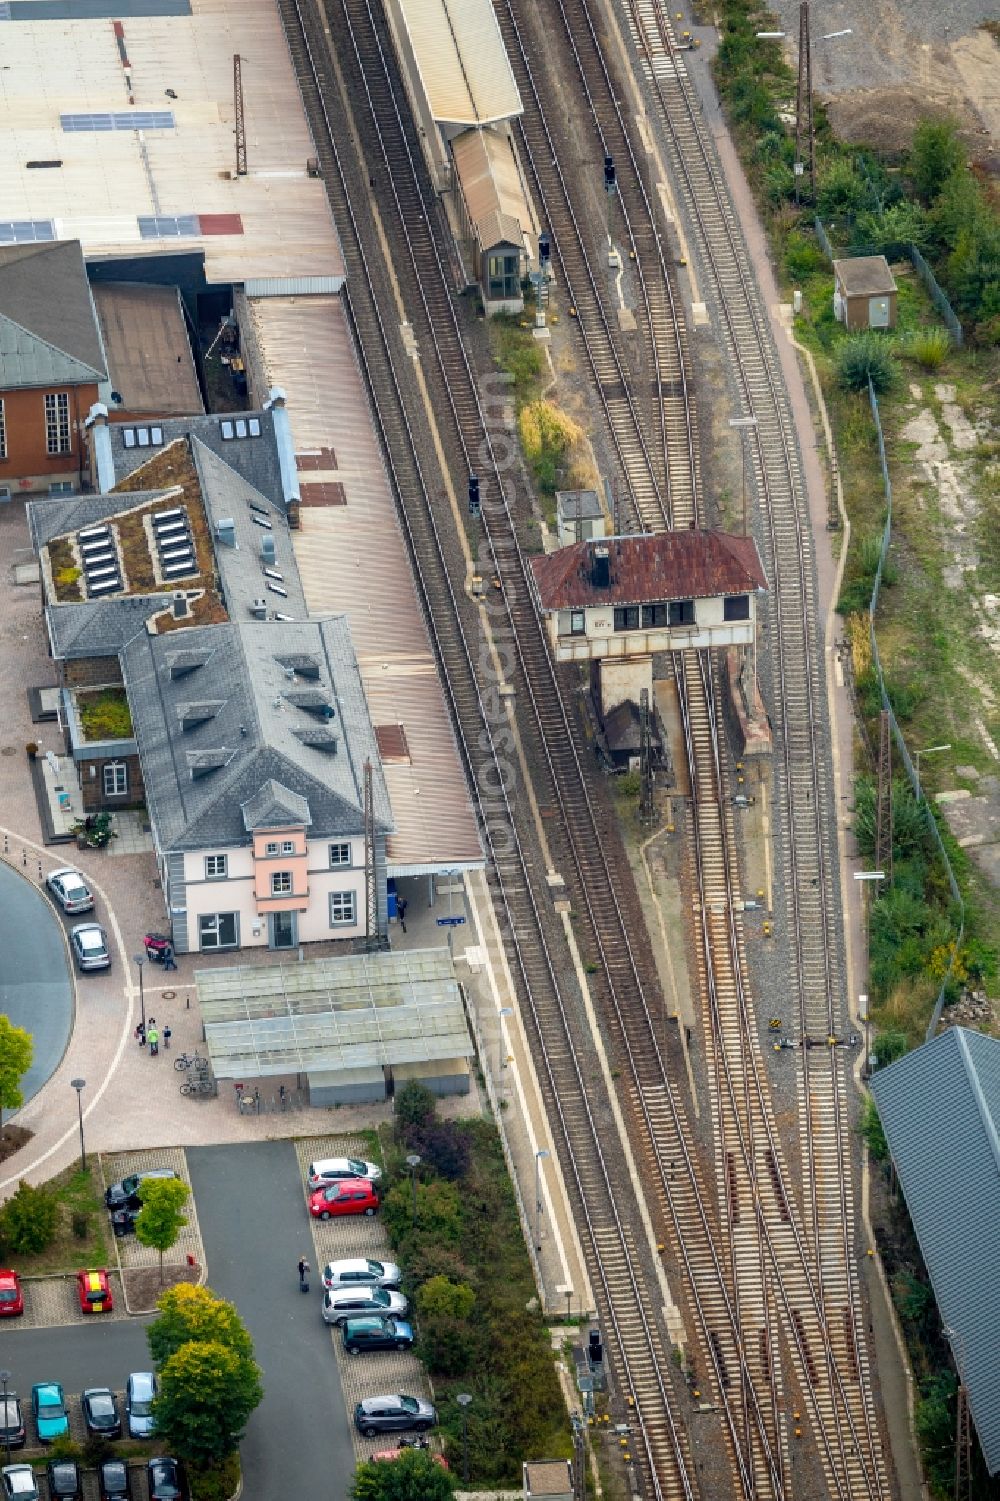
(56, 348)
(972, 1074)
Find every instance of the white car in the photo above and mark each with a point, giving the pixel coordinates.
(89, 943)
(19, 1483)
(70, 890)
(341, 1304)
(334, 1169)
(360, 1272)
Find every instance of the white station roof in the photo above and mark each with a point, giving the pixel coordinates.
(463, 64)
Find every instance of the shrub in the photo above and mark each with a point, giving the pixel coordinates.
(414, 1106)
(930, 347)
(871, 1130)
(412, 1477)
(440, 1297)
(443, 1146)
(217, 1482)
(547, 435)
(431, 1260)
(96, 1449)
(29, 1219)
(67, 576)
(80, 1221)
(863, 357)
(803, 258)
(439, 1213)
(935, 154)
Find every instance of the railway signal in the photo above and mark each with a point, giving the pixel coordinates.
(475, 506)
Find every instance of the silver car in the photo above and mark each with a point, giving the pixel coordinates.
(89, 943)
(359, 1271)
(335, 1169)
(356, 1302)
(70, 890)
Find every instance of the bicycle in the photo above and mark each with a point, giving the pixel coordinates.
(190, 1060)
(198, 1086)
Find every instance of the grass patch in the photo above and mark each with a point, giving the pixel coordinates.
(104, 714)
(80, 1208)
(65, 571)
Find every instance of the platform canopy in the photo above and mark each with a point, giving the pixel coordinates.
(349, 1012)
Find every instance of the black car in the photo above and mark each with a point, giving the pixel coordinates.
(164, 1478)
(11, 1422)
(112, 1478)
(100, 1412)
(394, 1413)
(376, 1334)
(123, 1219)
(127, 1191)
(63, 1476)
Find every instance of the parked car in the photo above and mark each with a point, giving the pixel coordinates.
(19, 1483)
(126, 1191)
(354, 1302)
(12, 1434)
(48, 1406)
(94, 1291)
(11, 1296)
(140, 1389)
(100, 1412)
(123, 1219)
(64, 1482)
(359, 1271)
(89, 943)
(349, 1196)
(112, 1480)
(395, 1413)
(376, 1333)
(164, 1478)
(333, 1169)
(70, 890)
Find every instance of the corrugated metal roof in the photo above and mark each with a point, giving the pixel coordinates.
(492, 189)
(352, 557)
(350, 1012)
(643, 569)
(940, 1108)
(462, 61)
(865, 275)
(56, 67)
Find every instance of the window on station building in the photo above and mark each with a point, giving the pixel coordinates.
(736, 607)
(627, 618)
(504, 276)
(654, 615)
(577, 623)
(57, 438)
(343, 909)
(682, 612)
(281, 883)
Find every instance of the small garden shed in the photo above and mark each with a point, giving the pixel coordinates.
(864, 294)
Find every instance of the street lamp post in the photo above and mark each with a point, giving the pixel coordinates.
(413, 1162)
(5, 1376)
(743, 424)
(928, 750)
(79, 1085)
(463, 1399)
(140, 959)
(504, 1012)
(539, 1155)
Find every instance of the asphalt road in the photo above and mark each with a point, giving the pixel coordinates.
(254, 1224)
(36, 987)
(78, 1355)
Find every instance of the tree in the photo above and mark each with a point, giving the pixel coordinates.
(195, 1313)
(160, 1221)
(412, 1477)
(28, 1220)
(16, 1050)
(441, 1298)
(935, 154)
(207, 1393)
(865, 356)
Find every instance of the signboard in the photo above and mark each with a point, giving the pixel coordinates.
(450, 922)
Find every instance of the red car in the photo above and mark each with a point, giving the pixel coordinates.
(11, 1296)
(348, 1196)
(94, 1291)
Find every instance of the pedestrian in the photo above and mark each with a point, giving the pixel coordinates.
(168, 956)
(154, 1041)
(167, 1034)
(401, 909)
(303, 1275)
(140, 1035)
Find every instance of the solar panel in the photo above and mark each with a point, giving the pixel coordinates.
(26, 231)
(109, 586)
(94, 559)
(175, 511)
(131, 119)
(94, 532)
(175, 570)
(167, 226)
(94, 574)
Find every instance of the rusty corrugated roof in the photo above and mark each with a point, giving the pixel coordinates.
(647, 569)
(491, 186)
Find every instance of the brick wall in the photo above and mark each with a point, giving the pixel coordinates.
(92, 672)
(92, 785)
(27, 465)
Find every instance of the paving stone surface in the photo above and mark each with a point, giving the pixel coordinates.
(52, 1301)
(118, 1165)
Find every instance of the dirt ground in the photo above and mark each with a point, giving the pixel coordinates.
(904, 59)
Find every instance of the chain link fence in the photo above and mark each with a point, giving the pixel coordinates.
(896, 250)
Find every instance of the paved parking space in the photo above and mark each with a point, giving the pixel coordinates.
(118, 1165)
(50, 1302)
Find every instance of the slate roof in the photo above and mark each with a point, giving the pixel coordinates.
(48, 328)
(252, 741)
(865, 275)
(99, 627)
(648, 569)
(940, 1108)
(255, 459)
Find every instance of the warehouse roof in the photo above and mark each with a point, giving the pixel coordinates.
(462, 61)
(864, 275)
(150, 363)
(491, 187)
(940, 1109)
(642, 569)
(48, 328)
(349, 1012)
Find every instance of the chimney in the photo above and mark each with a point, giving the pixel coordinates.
(600, 567)
(259, 609)
(267, 547)
(286, 448)
(181, 607)
(100, 442)
(225, 530)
